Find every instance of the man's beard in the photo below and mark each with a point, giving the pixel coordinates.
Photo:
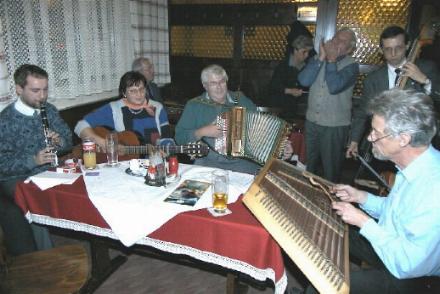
(378, 155)
(35, 105)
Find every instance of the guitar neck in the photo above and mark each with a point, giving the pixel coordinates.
(146, 149)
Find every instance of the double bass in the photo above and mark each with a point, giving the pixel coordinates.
(425, 37)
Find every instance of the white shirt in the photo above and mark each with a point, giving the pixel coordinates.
(392, 74)
(392, 78)
(25, 109)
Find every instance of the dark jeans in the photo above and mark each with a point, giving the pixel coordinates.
(19, 238)
(325, 147)
(378, 279)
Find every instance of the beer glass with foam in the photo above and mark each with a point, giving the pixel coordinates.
(220, 186)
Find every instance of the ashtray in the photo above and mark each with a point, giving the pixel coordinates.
(137, 173)
(158, 183)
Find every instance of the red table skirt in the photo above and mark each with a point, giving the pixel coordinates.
(236, 241)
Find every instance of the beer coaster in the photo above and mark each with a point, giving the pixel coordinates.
(216, 214)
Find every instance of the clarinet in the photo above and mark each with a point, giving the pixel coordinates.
(47, 139)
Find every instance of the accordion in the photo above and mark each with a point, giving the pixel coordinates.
(295, 207)
(250, 134)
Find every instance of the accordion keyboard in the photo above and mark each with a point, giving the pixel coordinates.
(250, 134)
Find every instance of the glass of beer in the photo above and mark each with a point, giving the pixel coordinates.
(89, 153)
(219, 186)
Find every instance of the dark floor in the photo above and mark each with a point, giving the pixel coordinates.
(143, 274)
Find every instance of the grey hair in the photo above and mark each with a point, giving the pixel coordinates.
(301, 42)
(353, 37)
(408, 112)
(138, 63)
(213, 69)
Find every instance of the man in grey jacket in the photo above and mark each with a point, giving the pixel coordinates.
(331, 76)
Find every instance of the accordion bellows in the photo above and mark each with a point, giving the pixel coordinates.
(250, 134)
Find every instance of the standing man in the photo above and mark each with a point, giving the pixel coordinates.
(331, 76)
(199, 115)
(400, 234)
(144, 66)
(423, 77)
(24, 152)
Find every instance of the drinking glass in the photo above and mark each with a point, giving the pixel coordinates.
(111, 147)
(220, 187)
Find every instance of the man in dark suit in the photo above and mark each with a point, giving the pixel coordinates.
(422, 76)
(145, 66)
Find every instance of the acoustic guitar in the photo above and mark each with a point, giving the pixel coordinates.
(131, 147)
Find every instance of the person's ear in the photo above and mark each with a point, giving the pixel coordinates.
(404, 139)
(380, 50)
(18, 90)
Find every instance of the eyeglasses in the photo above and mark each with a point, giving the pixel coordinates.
(372, 131)
(378, 139)
(389, 50)
(218, 83)
(135, 91)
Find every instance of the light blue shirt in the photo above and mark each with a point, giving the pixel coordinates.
(407, 234)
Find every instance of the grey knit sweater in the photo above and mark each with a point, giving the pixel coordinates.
(21, 137)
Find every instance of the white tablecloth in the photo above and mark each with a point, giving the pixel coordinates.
(133, 209)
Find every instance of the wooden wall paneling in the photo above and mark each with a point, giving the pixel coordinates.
(249, 75)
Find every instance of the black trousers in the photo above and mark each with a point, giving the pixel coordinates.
(378, 279)
(19, 238)
(325, 147)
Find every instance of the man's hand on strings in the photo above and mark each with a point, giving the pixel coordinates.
(350, 214)
(347, 193)
(412, 71)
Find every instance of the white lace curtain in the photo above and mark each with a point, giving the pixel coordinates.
(84, 45)
(149, 22)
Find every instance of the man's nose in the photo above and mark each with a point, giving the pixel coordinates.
(393, 52)
(42, 95)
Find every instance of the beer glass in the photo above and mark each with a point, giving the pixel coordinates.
(219, 186)
(89, 153)
(111, 147)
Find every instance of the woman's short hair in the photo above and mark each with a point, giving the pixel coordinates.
(406, 111)
(302, 42)
(130, 78)
(213, 69)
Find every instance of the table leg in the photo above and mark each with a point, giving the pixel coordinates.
(233, 285)
(102, 265)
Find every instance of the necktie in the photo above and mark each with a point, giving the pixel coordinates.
(398, 71)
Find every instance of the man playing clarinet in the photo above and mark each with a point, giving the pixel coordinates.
(24, 152)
